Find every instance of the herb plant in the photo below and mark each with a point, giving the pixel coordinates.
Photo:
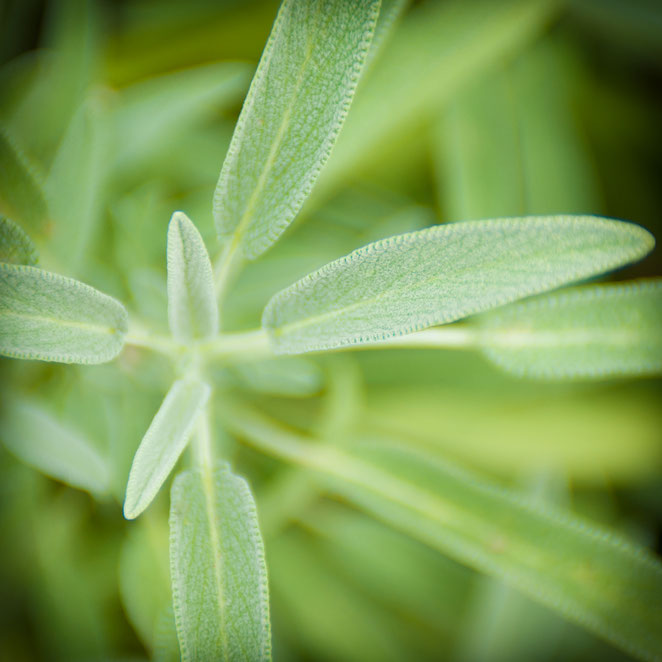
(484, 285)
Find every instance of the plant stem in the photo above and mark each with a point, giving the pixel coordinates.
(153, 341)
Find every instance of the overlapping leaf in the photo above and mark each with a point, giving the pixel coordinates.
(15, 246)
(588, 332)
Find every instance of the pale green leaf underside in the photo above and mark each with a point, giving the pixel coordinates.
(444, 273)
(295, 107)
(607, 584)
(589, 332)
(41, 441)
(49, 317)
(218, 570)
(15, 246)
(21, 196)
(192, 308)
(163, 443)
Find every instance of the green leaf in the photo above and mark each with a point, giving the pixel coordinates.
(439, 48)
(192, 307)
(15, 246)
(217, 566)
(21, 196)
(74, 186)
(589, 332)
(38, 439)
(163, 443)
(294, 110)
(155, 109)
(144, 579)
(49, 317)
(435, 276)
(603, 582)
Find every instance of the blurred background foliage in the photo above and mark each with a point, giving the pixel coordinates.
(114, 114)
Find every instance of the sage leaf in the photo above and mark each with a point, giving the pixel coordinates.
(444, 273)
(37, 438)
(593, 331)
(291, 118)
(163, 443)
(192, 307)
(218, 571)
(21, 195)
(15, 246)
(49, 317)
(586, 573)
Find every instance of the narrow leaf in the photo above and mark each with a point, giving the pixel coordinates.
(163, 443)
(192, 308)
(49, 317)
(591, 576)
(15, 246)
(295, 107)
(435, 276)
(218, 570)
(38, 439)
(21, 196)
(589, 332)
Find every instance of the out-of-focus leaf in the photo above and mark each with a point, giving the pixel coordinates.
(151, 111)
(295, 107)
(192, 307)
(594, 331)
(74, 185)
(144, 578)
(15, 246)
(508, 145)
(48, 317)
(38, 439)
(607, 584)
(579, 434)
(290, 378)
(219, 577)
(406, 283)
(21, 196)
(163, 443)
(300, 575)
(439, 47)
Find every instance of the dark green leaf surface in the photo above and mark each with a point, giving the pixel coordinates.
(15, 246)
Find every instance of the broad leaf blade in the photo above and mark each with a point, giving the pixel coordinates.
(49, 317)
(163, 443)
(589, 332)
(15, 246)
(192, 307)
(21, 196)
(218, 570)
(295, 107)
(435, 276)
(43, 442)
(591, 576)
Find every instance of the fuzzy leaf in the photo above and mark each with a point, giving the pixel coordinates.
(163, 443)
(21, 196)
(192, 308)
(49, 317)
(589, 332)
(295, 107)
(603, 582)
(218, 571)
(41, 441)
(441, 274)
(15, 246)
